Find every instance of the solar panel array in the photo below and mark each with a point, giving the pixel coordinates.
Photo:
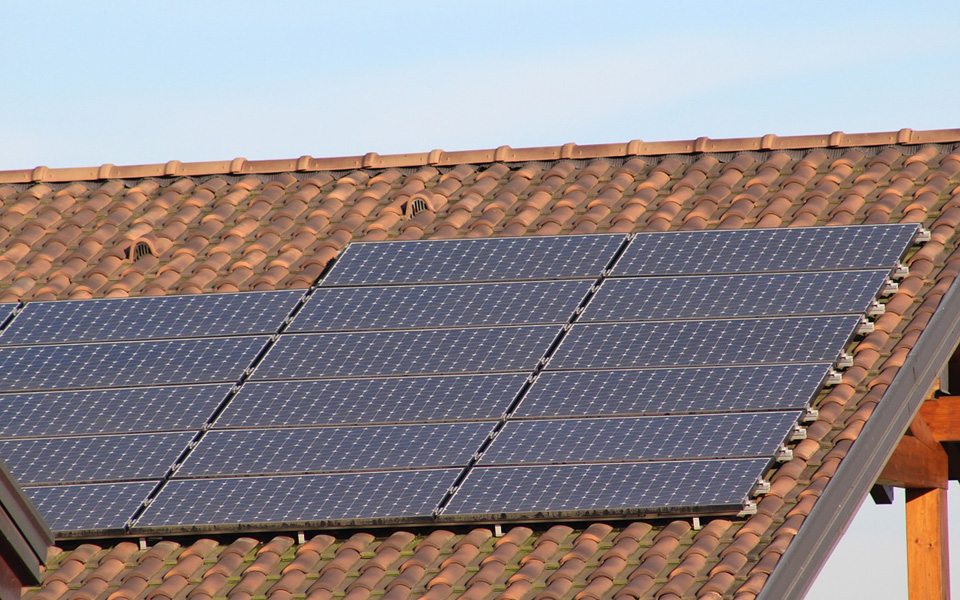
(450, 380)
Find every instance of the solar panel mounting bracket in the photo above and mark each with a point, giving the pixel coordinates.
(844, 361)
(876, 309)
(900, 271)
(797, 434)
(784, 454)
(890, 287)
(922, 236)
(865, 326)
(834, 377)
(810, 414)
(749, 509)
(761, 488)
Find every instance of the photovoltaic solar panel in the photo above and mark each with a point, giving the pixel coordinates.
(765, 250)
(491, 259)
(328, 449)
(777, 294)
(670, 395)
(640, 438)
(197, 315)
(123, 410)
(413, 352)
(93, 458)
(426, 306)
(89, 507)
(27, 368)
(257, 500)
(597, 489)
(387, 400)
(673, 391)
(706, 343)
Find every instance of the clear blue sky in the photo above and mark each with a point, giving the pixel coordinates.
(89, 83)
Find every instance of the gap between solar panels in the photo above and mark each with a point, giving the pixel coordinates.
(455, 380)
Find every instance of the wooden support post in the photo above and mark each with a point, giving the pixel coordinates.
(928, 563)
(921, 465)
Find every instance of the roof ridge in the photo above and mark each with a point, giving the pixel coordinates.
(372, 160)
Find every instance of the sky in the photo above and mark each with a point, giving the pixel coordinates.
(128, 83)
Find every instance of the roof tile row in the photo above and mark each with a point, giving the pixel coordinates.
(266, 232)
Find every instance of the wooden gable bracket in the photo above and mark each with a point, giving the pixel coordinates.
(924, 461)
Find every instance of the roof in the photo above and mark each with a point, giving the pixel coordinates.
(23, 536)
(240, 225)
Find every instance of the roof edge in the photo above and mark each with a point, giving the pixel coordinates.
(24, 536)
(372, 160)
(858, 471)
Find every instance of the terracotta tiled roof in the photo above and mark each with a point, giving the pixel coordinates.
(243, 225)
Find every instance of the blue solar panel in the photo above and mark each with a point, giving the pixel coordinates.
(596, 489)
(427, 306)
(75, 366)
(703, 343)
(673, 391)
(298, 499)
(641, 438)
(778, 294)
(158, 317)
(93, 458)
(414, 352)
(89, 507)
(130, 410)
(766, 250)
(328, 449)
(389, 400)
(490, 259)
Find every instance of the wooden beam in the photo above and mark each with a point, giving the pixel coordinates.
(928, 562)
(915, 465)
(942, 416)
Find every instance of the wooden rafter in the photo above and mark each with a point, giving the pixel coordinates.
(918, 462)
(922, 466)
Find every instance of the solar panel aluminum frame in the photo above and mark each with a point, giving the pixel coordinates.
(300, 324)
(603, 301)
(140, 528)
(919, 235)
(329, 279)
(6, 332)
(141, 489)
(761, 467)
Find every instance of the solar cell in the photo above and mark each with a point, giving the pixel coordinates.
(328, 449)
(765, 250)
(640, 438)
(704, 343)
(109, 411)
(426, 306)
(123, 364)
(89, 507)
(668, 298)
(596, 489)
(197, 315)
(413, 352)
(491, 259)
(672, 391)
(389, 400)
(310, 498)
(93, 458)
